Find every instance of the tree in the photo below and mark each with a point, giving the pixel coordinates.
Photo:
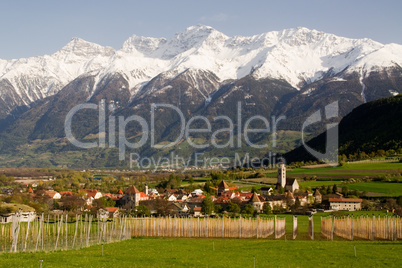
(233, 208)
(72, 203)
(162, 207)
(334, 189)
(323, 190)
(255, 213)
(391, 204)
(267, 208)
(104, 202)
(141, 211)
(380, 153)
(345, 190)
(399, 201)
(366, 205)
(248, 209)
(207, 206)
(328, 189)
(297, 203)
(255, 190)
(218, 208)
(278, 209)
(56, 204)
(208, 189)
(391, 152)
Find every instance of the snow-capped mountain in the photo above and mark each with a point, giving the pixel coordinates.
(299, 56)
(203, 72)
(24, 81)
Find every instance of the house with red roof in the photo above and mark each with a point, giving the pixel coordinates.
(53, 194)
(349, 204)
(228, 194)
(66, 193)
(143, 196)
(90, 195)
(131, 197)
(197, 211)
(108, 212)
(113, 212)
(245, 196)
(95, 194)
(317, 196)
(178, 208)
(223, 187)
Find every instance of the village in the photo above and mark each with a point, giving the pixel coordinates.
(284, 197)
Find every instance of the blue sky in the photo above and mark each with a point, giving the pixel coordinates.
(32, 28)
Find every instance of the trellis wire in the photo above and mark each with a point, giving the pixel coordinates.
(60, 232)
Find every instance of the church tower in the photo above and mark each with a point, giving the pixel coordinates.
(281, 175)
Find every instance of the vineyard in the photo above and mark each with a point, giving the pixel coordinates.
(364, 227)
(208, 227)
(47, 233)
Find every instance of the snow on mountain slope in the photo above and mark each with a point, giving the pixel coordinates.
(38, 77)
(387, 56)
(299, 56)
(296, 55)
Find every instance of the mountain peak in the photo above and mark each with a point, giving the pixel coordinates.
(81, 47)
(193, 38)
(199, 28)
(145, 45)
(201, 31)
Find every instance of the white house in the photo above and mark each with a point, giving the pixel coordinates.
(196, 192)
(350, 204)
(172, 198)
(180, 208)
(153, 191)
(256, 202)
(197, 212)
(108, 212)
(95, 194)
(10, 211)
(53, 194)
(266, 190)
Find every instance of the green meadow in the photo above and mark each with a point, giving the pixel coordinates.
(186, 252)
(350, 169)
(380, 188)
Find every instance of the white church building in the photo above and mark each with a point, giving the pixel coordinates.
(290, 185)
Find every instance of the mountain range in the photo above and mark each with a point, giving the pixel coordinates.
(293, 72)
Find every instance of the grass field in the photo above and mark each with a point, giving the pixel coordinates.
(335, 175)
(318, 183)
(348, 170)
(182, 252)
(189, 252)
(382, 188)
(332, 175)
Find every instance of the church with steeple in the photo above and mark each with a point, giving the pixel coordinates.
(290, 185)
